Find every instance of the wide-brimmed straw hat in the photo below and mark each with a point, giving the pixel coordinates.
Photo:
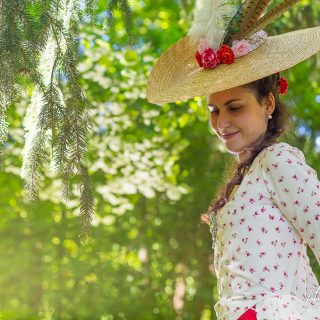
(179, 75)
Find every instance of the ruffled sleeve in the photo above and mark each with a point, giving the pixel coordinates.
(295, 189)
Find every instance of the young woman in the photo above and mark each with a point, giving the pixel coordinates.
(269, 211)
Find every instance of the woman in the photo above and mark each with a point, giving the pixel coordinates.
(272, 258)
(269, 211)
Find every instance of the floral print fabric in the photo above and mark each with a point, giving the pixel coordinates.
(260, 248)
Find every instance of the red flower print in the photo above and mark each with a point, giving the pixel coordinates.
(306, 209)
(317, 217)
(271, 217)
(244, 240)
(255, 213)
(262, 254)
(300, 190)
(264, 230)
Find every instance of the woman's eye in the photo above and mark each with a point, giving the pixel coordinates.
(215, 111)
(212, 109)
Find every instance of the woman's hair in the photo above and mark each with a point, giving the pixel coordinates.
(279, 125)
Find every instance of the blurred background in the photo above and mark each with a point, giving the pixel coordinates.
(154, 171)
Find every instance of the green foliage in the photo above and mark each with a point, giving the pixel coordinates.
(154, 170)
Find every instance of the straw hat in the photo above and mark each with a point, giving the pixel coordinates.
(178, 75)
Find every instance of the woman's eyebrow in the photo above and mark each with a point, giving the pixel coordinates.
(226, 103)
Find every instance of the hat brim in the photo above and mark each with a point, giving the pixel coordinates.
(177, 75)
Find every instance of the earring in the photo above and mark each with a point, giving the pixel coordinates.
(269, 116)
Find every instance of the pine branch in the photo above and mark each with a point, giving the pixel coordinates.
(127, 16)
(77, 123)
(86, 14)
(35, 160)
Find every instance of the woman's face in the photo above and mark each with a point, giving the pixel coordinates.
(237, 112)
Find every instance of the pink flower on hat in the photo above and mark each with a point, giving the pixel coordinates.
(209, 58)
(240, 48)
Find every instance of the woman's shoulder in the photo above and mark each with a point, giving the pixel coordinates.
(283, 157)
(281, 151)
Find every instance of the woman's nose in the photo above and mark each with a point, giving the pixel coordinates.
(223, 121)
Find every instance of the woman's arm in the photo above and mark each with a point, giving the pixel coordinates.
(295, 189)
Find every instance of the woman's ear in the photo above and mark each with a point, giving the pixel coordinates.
(270, 103)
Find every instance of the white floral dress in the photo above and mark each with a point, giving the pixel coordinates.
(260, 240)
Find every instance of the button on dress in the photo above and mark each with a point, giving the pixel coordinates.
(260, 240)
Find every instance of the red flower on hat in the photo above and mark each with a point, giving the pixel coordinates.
(209, 58)
(283, 85)
(199, 58)
(225, 54)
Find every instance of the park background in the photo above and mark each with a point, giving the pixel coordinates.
(153, 169)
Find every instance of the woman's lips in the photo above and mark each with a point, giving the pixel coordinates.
(229, 136)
